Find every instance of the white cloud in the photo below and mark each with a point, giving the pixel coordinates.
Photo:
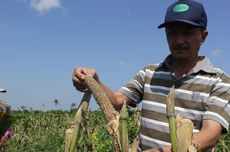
(43, 6)
(216, 53)
(123, 64)
(120, 63)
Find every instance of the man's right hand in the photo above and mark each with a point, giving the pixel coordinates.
(79, 77)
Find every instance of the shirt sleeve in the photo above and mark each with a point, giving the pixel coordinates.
(218, 106)
(135, 87)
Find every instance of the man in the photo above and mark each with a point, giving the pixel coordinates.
(202, 92)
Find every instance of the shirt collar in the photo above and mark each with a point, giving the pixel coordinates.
(204, 65)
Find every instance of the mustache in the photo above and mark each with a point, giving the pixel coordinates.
(179, 47)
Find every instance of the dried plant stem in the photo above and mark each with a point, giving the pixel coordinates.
(76, 130)
(73, 132)
(184, 128)
(85, 106)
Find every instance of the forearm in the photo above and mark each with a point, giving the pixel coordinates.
(208, 136)
(203, 141)
(117, 99)
(113, 96)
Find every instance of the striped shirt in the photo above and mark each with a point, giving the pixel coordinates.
(202, 93)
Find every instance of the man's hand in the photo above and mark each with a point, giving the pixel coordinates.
(79, 77)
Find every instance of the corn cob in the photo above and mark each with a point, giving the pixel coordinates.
(111, 114)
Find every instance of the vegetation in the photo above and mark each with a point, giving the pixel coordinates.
(38, 131)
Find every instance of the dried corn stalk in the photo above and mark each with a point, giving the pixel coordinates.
(184, 128)
(135, 144)
(72, 133)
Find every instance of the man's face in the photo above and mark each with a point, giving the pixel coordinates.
(184, 40)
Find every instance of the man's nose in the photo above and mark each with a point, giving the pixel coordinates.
(179, 39)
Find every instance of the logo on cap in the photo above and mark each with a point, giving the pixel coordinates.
(180, 8)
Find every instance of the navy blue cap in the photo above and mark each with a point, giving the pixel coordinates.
(187, 11)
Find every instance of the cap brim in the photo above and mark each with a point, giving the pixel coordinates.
(183, 21)
(2, 90)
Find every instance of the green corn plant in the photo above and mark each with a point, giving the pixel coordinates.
(124, 130)
(170, 114)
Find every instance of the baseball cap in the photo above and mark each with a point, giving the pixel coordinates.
(187, 11)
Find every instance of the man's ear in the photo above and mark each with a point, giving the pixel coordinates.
(204, 35)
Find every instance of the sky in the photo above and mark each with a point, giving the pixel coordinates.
(42, 41)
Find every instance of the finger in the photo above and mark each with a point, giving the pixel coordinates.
(79, 88)
(91, 72)
(87, 71)
(78, 84)
(75, 79)
(80, 73)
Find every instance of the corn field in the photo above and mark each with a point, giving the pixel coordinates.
(38, 131)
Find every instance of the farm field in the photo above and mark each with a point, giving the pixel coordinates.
(38, 131)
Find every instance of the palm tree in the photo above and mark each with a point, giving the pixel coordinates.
(56, 102)
(73, 105)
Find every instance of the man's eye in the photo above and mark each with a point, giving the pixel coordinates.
(171, 33)
(188, 32)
